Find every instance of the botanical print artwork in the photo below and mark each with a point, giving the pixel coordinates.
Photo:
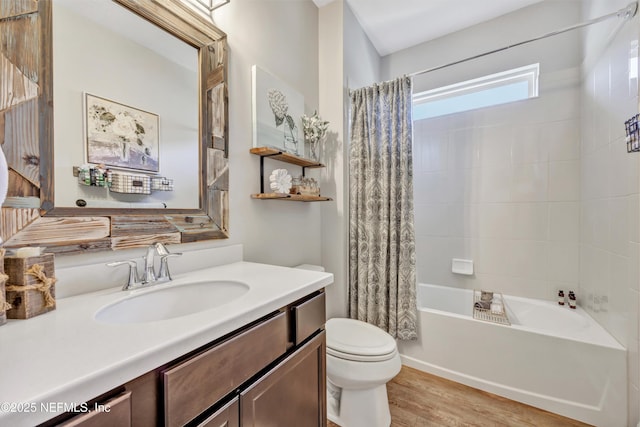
(121, 136)
(277, 111)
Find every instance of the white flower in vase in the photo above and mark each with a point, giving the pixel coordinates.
(315, 129)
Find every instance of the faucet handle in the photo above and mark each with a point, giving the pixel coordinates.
(164, 273)
(133, 280)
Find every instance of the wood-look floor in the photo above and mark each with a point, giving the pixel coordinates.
(418, 399)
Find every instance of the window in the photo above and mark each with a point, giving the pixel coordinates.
(495, 89)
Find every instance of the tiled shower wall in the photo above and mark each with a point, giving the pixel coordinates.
(609, 203)
(501, 186)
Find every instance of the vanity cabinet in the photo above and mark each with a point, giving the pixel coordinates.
(270, 372)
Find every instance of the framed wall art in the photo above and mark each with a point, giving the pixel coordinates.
(277, 112)
(121, 136)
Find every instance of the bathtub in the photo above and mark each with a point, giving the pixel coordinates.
(551, 357)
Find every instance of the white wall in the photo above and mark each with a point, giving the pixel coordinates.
(281, 36)
(348, 60)
(610, 202)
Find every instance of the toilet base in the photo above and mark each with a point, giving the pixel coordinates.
(359, 408)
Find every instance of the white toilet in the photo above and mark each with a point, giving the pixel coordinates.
(361, 359)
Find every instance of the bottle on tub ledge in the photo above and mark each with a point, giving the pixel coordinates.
(561, 297)
(572, 299)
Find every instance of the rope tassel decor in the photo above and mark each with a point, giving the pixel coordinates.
(31, 287)
(44, 285)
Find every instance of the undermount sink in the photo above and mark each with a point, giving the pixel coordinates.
(171, 302)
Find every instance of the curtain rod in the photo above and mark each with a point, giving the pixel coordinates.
(625, 13)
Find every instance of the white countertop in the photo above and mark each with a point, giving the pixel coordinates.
(65, 357)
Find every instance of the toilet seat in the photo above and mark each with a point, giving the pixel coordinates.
(355, 340)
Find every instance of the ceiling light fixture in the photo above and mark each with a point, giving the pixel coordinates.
(211, 5)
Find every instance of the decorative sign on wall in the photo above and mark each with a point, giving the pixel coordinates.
(277, 109)
(121, 136)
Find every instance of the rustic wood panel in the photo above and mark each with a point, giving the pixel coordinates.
(14, 220)
(13, 8)
(219, 208)
(30, 202)
(198, 236)
(141, 241)
(192, 222)
(21, 188)
(186, 23)
(20, 43)
(140, 224)
(80, 247)
(15, 87)
(217, 169)
(21, 146)
(47, 230)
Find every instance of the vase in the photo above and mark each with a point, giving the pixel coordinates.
(314, 153)
(291, 139)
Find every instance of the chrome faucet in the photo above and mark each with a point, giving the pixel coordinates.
(149, 272)
(149, 277)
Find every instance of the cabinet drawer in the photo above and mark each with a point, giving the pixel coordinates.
(119, 414)
(308, 317)
(199, 382)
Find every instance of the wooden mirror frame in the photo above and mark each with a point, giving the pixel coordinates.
(29, 217)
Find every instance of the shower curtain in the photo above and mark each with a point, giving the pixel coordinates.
(382, 271)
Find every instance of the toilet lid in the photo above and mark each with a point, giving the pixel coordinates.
(357, 340)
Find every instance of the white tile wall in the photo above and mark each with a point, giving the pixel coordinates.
(501, 186)
(609, 204)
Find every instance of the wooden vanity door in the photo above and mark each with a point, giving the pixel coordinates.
(293, 393)
(227, 416)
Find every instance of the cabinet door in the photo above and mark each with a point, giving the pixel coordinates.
(113, 412)
(227, 416)
(293, 393)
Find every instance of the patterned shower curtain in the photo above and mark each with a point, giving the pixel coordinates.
(382, 270)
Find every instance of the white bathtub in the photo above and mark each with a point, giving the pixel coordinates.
(551, 357)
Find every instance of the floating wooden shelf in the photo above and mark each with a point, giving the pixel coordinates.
(285, 157)
(274, 153)
(290, 197)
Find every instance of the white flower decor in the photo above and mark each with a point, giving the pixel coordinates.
(280, 181)
(315, 129)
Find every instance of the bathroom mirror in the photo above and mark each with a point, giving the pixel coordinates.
(64, 81)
